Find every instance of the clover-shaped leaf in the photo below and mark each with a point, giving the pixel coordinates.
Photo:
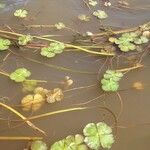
(25, 39)
(29, 85)
(109, 85)
(100, 14)
(20, 75)
(21, 13)
(53, 49)
(38, 145)
(84, 17)
(4, 44)
(70, 143)
(110, 81)
(98, 135)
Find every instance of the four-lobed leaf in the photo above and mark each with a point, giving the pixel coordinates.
(20, 75)
(110, 81)
(98, 135)
(4, 44)
(53, 49)
(21, 13)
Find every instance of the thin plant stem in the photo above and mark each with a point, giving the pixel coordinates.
(19, 138)
(22, 117)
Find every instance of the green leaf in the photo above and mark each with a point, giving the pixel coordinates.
(93, 2)
(4, 44)
(97, 135)
(100, 14)
(2, 5)
(70, 143)
(21, 13)
(39, 145)
(20, 75)
(25, 39)
(53, 49)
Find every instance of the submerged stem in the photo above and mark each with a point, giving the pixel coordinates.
(19, 138)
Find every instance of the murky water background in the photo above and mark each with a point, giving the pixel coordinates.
(136, 103)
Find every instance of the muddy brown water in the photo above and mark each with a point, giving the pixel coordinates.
(136, 103)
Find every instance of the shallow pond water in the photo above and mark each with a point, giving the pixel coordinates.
(136, 103)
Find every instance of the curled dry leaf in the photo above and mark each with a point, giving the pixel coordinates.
(42, 91)
(54, 95)
(138, 85)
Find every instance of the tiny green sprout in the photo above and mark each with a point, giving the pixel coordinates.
(110, 81)
(100, 14)
(4, 44)
(60, 25)
(93, 2)
(70, 143)
(21, 13)
(98, 135)
(84, 17)
(25, 39)
(20, 75)
(38, 145)
(53, 49)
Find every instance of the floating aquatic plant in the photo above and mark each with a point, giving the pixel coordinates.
(38, 145)
(141, 40)
(127, 41)
(25, 39)
(32, 102)
(60, 25)
(70, 143)
(20, 75)
(110, 81)
(21, 13)
(100, 14)
(42, 91)
(84, 17)
(2, 5)
(4, 44)
(54, 95)
(53, 49)
(93, 2)
(98, 135)
(29, 85)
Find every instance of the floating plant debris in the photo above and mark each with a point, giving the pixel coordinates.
(20, 75)
(84, 17)
(110, 81)
(93, 2)
(100, 14)
(4, 44)
(54, 95)
(21, 13)
(29, 85)
(60, 25)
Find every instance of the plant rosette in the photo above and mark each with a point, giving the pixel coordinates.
(38, 145)
(53, 49)
(21, 13)
(4, 44)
